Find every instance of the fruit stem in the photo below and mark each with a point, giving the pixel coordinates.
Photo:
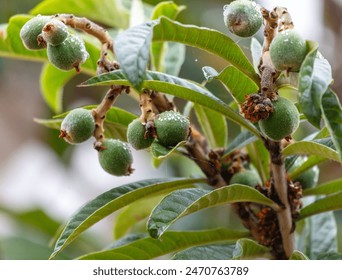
(145, 103)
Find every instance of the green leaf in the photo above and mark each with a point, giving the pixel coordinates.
(208, 252)
(326, 188)
(184, 202)
(129, 238)
(329, 203)
(52, 81)
(133, 214)
(159, 49)
(298, 256)
(332, 115)
(330, 256)
(206, 39)
(236, 82)
(240, 141)
(214, 126)
(53, 124)
(149, 248)
(247, 249)
(309, 163)
(132, 48)
(160, 152)
(109, 12)
(174, 58)
(260, 158)
(311, 148)
(314, 78)
(112, 200)
(178, 87)
(256, 50)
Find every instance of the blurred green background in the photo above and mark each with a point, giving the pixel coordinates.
(43, 180)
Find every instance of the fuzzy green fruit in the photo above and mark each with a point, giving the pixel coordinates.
(246, 177)
(172, 128)
(115, 157)
(55, 32)
(242, 17)
(307, 179)
(282, 122)
(78, 126)
(70, 54)
(136, 135)
(288, 50)
(30, 31)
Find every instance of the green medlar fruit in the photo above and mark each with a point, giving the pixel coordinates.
(282, 122)
(246, 177)
(288, 50)
(309, 178)
(137, 136)
(78, 126)
(30, 31)
(55, 32)
(171, 128)
(69, 54)
(115, 157)
(242, 17)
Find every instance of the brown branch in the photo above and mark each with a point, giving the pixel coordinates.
(271, 24)
(285, 19)
(146, 106)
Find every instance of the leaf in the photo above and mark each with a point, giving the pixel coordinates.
(330, 256)
(109, 12)
(298, 256)
(247, 249)
(208, 252)
(174, 58)
(311, 148)
(314, 78)
(256, 50)
(184, 202)
(126, 240)
(53, 124)
(149, 248)
(332, 115)
(324, 189)
(160, 50)
(133, 214)
(112, 200)
(52, 81)
(178, 87)
(260, 158)
(329, 203)
(311, 161)
(240, 141)
(236, 82)
(214, 126)
(132, 48)
(206, 39)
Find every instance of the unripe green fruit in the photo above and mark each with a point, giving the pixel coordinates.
(288, 50)
(30, 31)
(136, 135)
(70, 54)
(55, 32)
(116, 157)
(242, 17)
(307, 179)
(172, 128)
(246, 177)
(282, 122)
(78, 126)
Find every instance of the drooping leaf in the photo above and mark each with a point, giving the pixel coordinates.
(132, 48)
(332, 115)
(260, 158)
(208, 252)
(329, 203)
(325, 188)
(206, 39)
(256, 50)
(149, 248)
(247, 249)
(214, 126)
(109, 12)
(112, 200)
(314, 78)
(133, 214)
(178, 87)
(240, 141)
(298, 256)
(311, 148)
(52, 81)
(184, 202)
(159, 152)
(236, 82)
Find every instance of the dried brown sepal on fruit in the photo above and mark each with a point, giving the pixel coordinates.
(256, 107)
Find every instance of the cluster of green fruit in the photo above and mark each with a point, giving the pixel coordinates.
(65, 50)
(115, 156)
